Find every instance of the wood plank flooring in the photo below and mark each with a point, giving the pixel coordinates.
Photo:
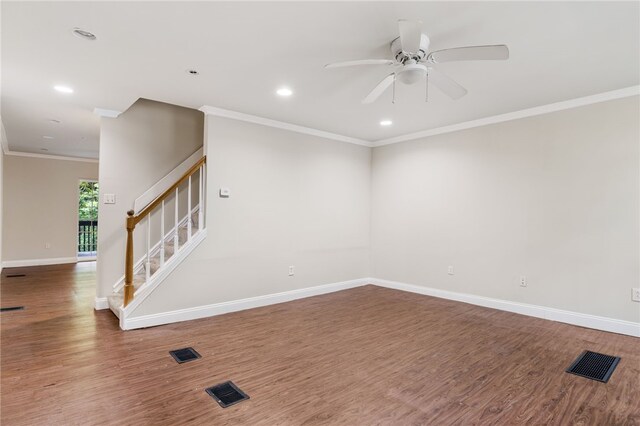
(359, 357)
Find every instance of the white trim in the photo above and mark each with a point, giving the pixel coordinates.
(109, 113)
(38, 262)
(575, 318)
(530, 112)
(235, 305)
(147, 288)
(50, 157)
(101, 303)
(234, 115)
(163, 184)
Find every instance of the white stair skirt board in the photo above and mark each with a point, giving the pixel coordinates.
(147, 288)
(119, 285)
(101, 303)
(38, 262)
(575, 318)
(235, 305)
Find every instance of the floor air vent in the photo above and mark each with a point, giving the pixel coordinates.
(184, 355)
(594, 366)
(13, 308)
(226, 394)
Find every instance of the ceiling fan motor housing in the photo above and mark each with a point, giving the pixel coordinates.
(402, 57)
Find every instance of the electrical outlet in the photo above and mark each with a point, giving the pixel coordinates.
(292, 270)
(523, 281)
(450, 270)
(635, 294)
(47, 245)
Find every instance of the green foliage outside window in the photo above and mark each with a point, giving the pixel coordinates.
(88, 201)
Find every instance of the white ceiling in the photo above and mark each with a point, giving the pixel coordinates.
(244, 51)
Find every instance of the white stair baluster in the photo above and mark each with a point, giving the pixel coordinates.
(200, 199)
(162, 234)
(148, 268)
(175, 229)
(189, 210)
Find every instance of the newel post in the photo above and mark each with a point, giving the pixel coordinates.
(128, 267)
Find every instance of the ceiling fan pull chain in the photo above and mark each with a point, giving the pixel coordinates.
(393, 98)
(426, 87)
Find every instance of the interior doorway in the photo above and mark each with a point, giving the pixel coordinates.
(87, 220)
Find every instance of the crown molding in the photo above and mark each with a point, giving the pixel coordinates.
(50, 157)
(530, 112)
(220, 112)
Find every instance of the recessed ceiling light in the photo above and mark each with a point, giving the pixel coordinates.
(284, 91)
(47, 137)
(193, 72)
(63, 89)
(83, 34)
(386, 123)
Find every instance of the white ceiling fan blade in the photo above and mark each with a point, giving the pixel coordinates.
(447, 85)
(379, 89)
(360, 62)
(470, 53)
(410, 35)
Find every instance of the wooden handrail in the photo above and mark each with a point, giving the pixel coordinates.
(133, 219)
(152, 205)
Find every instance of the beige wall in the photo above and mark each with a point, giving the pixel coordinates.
(1, 199)
(137, 149)
(553, 197)
(41, 206)
(3, 147)
(295, 200)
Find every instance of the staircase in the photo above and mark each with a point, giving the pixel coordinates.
(140, 278)
(171, 247)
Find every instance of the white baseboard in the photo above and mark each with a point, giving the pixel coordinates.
(575, 318)
(235, 305)
(101, 303)
(38, 262)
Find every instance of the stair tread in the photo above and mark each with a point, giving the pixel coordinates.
(115, 302)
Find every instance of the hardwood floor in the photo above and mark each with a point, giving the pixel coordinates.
(359, 357)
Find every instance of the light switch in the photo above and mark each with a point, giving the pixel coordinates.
(225, 192)
(109, 198)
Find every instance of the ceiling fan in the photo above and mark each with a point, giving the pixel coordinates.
(414, 64)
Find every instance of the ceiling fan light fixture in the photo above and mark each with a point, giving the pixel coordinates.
(412, 73)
